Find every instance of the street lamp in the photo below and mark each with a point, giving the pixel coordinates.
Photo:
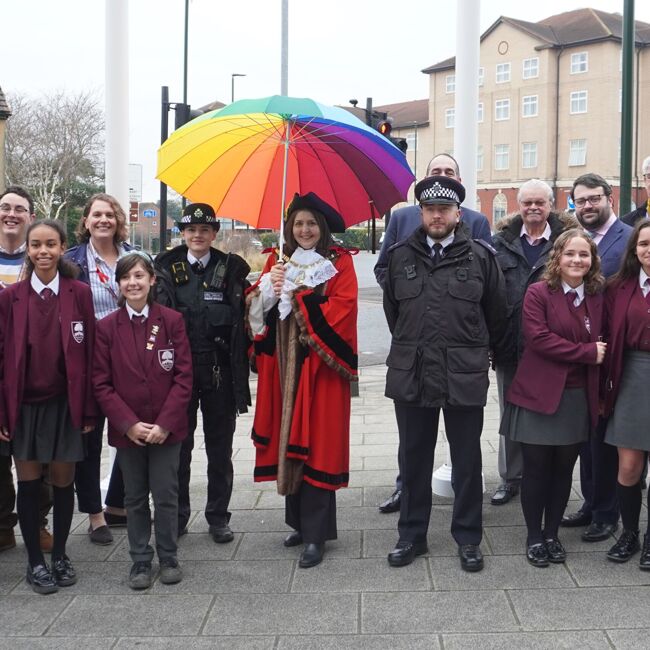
(232, 84)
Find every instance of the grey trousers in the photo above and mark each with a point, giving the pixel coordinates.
(152, 468)
(511, 462)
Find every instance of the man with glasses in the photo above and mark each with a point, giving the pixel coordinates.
(643, 211)
(524, 243)
(16, 214)
(592, 197)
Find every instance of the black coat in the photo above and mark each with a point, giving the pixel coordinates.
(443, 320)
(632, 217)
(235, 279)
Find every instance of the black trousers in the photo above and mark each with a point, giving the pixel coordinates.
(87, 476)
(598, 475)
(8, 518)
(312, 512)
(219, 419)
(418, 433)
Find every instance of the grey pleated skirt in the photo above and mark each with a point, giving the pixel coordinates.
(567, 426)
(629, 424)
(44, 433)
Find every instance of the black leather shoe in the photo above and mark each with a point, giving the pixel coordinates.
(555, 551)
(392, 504)
(222, 534)
(40, 579)
(576, 519)
(311, 555)
(405, 552)
(63, 572)
(597, 531)
(537, 555)
(471, 558)
(293, 539)
(644, 560)
(626, 546)
(504, 493)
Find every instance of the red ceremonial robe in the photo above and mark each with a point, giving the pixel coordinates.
(320, 422)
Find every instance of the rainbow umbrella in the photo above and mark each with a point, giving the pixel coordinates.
(249, 158)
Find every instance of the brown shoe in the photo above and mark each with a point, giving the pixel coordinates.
(7, 539)
(45, 539)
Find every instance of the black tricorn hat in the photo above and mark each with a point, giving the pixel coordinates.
(311, 201)
(198, 213)
(439, 189)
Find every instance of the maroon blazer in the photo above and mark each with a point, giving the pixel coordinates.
(77, 320)
(617, 301)
(159, 392)
(548, 351)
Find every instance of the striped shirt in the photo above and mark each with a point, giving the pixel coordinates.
(102, 282)
(11, 265)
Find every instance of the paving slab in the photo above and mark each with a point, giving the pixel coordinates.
(11, 575)
(268, 546)
(197, 643)
(379, 543)
(595, 570)
(41, 643)
(30, 615)
(360, 642)
(527, 640)
(628, 639)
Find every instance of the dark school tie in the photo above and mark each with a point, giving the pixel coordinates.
(46, 294)
(436, 253)
(198, 267)
(647, 286)
(571, 297)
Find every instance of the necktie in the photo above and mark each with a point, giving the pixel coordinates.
(571, 297)
(436, 253)
(46, 294)
(647, 290)
(198, 267)
(138, 320)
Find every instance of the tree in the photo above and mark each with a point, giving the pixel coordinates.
(54, 144)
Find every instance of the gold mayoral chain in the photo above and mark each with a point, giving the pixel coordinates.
(302, 273)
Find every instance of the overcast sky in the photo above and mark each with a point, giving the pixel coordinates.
(338, 50)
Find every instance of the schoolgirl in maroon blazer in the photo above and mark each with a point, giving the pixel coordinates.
(552, 403)
(143, 383)
(47, 332)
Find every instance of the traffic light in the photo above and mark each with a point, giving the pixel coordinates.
(184, 113)
(385, 127)
(384, 124)
(400, 143)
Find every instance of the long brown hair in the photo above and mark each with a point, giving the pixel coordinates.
(66, 269)
(594, 279)
(121, 231)
(324, 241)
(630, 265)
(128, 262)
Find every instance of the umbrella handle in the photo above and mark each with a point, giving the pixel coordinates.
(287, 130)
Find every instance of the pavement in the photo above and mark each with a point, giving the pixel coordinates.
(252, 594)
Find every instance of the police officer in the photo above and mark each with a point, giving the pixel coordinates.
(207, 286)
(445, 304)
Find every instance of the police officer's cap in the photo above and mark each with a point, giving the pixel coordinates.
(311, 201)
(198, 213)
(439, 189)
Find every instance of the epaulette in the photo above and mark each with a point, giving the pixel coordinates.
(485, 244)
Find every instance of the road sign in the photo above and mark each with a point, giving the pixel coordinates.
(133, 212)
(148, 213)
(135, 182)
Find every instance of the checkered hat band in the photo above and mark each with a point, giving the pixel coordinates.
(188, 218)
(437, 191)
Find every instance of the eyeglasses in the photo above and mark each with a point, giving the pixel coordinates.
(540, 203)
(594, 199)
(5, 208)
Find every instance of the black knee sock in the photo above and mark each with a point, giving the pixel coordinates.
(63, 509)
(629, 498)
(29, 519)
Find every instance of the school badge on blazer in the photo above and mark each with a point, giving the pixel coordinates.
(166, 359)
(77, 328)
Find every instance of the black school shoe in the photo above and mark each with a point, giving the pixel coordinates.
(555, 551)
(626, 546)
(644, 560)
(40, 579)
(63, 572)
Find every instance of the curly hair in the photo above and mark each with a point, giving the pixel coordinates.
(630, 265)
(593, 280)
(122, 229)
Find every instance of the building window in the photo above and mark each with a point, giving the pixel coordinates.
(450, 118)
(479, 158)
(499, 207)
(529, 155)
(531, 68)
(479, 113)
(503, 73)
(450, 83)
(412, 141)
(501, 109)
(577, 152)
(578, 102)
(481, 76)
(529, 106)
(579, 62)
(501, 156)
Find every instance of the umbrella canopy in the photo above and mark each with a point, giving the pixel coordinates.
(248, 159)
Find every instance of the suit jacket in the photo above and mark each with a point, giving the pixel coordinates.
(612, 247)
(75, 308)
(636, 215)
(405, 221)
(548, 352)
(159, 392)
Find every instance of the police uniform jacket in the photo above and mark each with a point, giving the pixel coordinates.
(236, 270)
(519, 274)
(443, 320)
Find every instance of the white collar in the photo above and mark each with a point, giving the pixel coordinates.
(445, 242)
(96, 256)
(580, 290)
(205, 260)
(643, 276)
(132, 312)
(545, 235)
(21, 249)
(38, 286)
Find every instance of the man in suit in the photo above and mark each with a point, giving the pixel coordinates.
(643, 211)
(401, 225)
(592, 196)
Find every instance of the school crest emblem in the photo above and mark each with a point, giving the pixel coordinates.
(166, 359)
(77, 328)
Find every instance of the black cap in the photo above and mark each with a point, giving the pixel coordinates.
(198, 213)
(439, 189)
(311, 201)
